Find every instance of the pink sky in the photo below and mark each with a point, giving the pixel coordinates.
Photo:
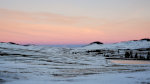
(36, 27)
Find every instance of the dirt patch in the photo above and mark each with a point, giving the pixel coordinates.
(129, 62)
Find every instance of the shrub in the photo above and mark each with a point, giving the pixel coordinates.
(127, 55)
(136, 55)
(148, 55)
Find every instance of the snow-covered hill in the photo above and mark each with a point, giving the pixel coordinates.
(122, 45)
(12, 48)
(32, 64)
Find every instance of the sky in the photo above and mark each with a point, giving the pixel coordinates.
(73, 21)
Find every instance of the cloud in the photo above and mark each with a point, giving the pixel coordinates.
(48, 18)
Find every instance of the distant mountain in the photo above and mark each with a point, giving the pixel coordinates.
(145, 39)
(96, 42)
(134, 44)
(12, 43)
(10, 48)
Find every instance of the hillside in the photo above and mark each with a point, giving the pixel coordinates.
(32, 64)
(122, 45)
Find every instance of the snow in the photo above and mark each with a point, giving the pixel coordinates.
(121, 45)
(119, 78)
(48, 65)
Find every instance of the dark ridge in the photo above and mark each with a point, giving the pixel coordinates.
(96, 42)
(13, 43)
(27, 45)
(135, 40)
(145, 39)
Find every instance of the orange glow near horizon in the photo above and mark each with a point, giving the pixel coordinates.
(46, 28)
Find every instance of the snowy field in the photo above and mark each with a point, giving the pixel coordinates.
(46, 65)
